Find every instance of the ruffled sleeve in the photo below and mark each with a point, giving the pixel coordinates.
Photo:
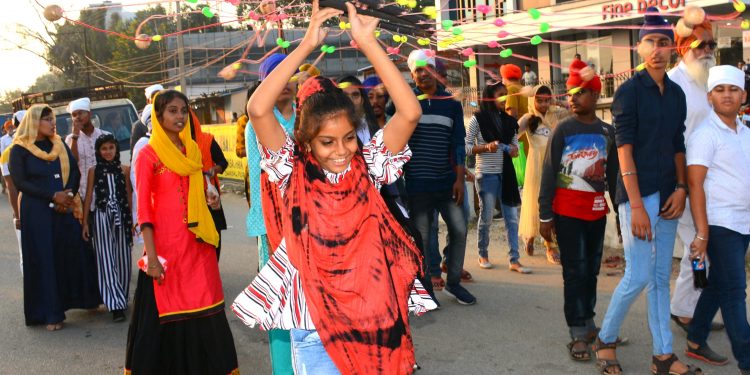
(384, 166)
(278, 164)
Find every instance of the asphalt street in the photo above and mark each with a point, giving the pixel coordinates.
(517, 326)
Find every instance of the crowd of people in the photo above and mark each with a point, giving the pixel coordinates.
(335, 295)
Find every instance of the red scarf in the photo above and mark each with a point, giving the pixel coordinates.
(357, 267)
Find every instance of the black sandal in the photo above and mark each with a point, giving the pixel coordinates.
(662, 367)
(606, 365)
(578, 354)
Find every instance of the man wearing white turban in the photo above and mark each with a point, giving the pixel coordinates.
(82, 139)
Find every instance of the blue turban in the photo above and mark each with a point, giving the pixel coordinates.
(370, 83)
(269, 64)
(655, 20)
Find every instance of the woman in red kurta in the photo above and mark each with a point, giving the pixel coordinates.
(178, 324)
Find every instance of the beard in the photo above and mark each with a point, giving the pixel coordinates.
(698, 68)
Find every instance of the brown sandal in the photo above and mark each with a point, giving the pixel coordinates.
(530, 247)
(578, 354)
(663, 367)
(605, 366)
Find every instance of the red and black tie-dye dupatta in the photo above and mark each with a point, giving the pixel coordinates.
(357, 267)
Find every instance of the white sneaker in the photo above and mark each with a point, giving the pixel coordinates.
(484, 263)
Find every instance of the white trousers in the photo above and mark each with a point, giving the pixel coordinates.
(685, 295)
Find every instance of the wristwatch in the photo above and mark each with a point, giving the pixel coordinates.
(681, 186)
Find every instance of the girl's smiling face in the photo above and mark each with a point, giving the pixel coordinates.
(335, 144)
(174, 116)
(108, 151)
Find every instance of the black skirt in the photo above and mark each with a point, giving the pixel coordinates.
(192, 346)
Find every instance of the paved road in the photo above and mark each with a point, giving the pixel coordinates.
(517, 327)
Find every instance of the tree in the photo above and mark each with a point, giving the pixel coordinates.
(7, 98)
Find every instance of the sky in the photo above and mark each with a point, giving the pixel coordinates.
(21, 68)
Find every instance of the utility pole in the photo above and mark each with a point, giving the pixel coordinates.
(85, 57)
(180, 51)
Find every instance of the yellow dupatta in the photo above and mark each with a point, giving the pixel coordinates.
(26, 136)
(554, 114)
(189, 164)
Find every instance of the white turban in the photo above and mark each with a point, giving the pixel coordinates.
(83, 104)
(416, 55)
(146, 115)
(151, 89)
(19, 115)
(725, 75)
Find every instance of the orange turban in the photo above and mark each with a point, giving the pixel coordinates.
(683, 44)
(510, 71)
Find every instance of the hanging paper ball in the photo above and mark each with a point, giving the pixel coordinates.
(502, 99)
(53, 13)
(420, 63)
(574, 90)
(444, 44)
(467, 52)
(536, 40)
(645, 49)
(237, 66)
(423, 41)
(156, 38)
(377, 33)
(142, 41)
(353, 44)
(422, 97)
(233, 2)
(695, 44)
(682, 29)
(587, 74)
(470, 63)
(191, 1)
(429, 53)
(393, 50)
(484, 9)
(447, 24)
(693, 15)
(430, 12)
(228, 73)
(640, 67)
(506, 53)
(534, 13)
(402, 2)
(527, 91)
(345, 25)
(543, 27)
(499, 22)
(502, 34)
(207, 12)
(745, 24)
(492, 44)
(739, 5)
(457, 31)
(411, 4)
(267, 6)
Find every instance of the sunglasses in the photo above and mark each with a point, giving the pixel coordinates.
(702, 44)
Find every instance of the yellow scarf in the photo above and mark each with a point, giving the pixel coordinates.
(200, 221)
(26, 136)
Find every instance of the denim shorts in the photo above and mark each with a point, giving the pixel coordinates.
(309, 357)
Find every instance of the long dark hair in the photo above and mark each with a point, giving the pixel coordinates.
(250, 93)
(487, 104)
(534, 121)
(372, 122)
(164, 97)
(319, 100)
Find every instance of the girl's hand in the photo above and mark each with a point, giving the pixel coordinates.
(85, 232)
(315, 35)
(155, 271)
(363, 27)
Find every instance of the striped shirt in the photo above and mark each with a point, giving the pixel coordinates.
(487, 162)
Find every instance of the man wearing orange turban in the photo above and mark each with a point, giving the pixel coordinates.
(691, 74)
(516, 105)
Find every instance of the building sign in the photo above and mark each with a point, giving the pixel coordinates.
(623, 8)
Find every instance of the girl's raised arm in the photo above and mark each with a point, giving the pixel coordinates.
(408, 111)
(260, 106)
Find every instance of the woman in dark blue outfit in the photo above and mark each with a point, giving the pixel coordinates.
(58, 273)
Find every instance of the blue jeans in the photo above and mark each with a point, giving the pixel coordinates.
(308, 354)
(435, 257)
(726, 290)
(648, 265)
(422, 207)
(490, 188)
